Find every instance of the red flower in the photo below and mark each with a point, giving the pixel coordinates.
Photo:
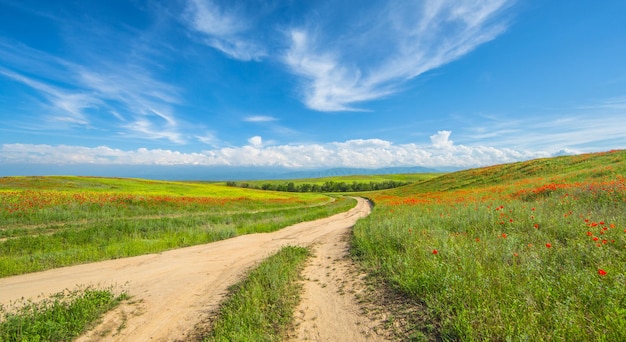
(536, 225)
(589, 233)
(549, 245)
(435, 251)
(595, 238)
(601, 272)
(503, 236)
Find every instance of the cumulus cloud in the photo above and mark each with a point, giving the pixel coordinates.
(256, 141)
(367, 153)
(441, 140)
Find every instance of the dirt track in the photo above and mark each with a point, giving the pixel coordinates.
(174, 290)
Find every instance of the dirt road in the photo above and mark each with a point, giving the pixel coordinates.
(174, 290)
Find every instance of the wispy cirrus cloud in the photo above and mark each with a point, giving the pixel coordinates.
(259, 118)
(67, 106)
(347, 54)
(223, 29)
(579, 128)
(398, 42)
(85, 94)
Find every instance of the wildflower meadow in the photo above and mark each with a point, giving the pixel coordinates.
(527, 251)
(48, 222)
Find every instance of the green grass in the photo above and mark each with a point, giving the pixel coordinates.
(61, 317)
(261, 307)
(527, 251)
(410, 177)
(48, 222)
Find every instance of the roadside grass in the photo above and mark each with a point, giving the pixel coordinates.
(524, 251)
(61, 221)
(261, 307)
(61, 317)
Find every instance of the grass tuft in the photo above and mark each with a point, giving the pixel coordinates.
(60, 317)
(261, 307)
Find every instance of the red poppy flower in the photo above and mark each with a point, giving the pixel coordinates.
(435, 251)
(601, 272)
(549, 245)
(589, 233)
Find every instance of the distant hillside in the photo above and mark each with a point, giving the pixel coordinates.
(344, 171)
(562, 168)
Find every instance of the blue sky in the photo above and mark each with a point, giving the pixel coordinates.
(308, 84)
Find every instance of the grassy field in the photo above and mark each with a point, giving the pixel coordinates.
(409, 177)
(526, 251)
(523, 251)
(48, 222)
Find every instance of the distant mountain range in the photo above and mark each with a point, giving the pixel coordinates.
(201, 173)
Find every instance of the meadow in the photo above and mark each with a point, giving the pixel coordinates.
(48, 222)
(526, 251)
(523, 251)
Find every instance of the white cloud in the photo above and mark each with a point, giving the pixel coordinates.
(441, 140)
(397, 43)
(223, 30)
(599, 126)
(75, 94)
(330, 85)
(368, 153)
(260, 118)
(256, 141)
(66, 106)
(348, 55)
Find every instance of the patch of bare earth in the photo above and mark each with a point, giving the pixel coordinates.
(173, 292)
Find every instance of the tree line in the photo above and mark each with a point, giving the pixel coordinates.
(329, 186)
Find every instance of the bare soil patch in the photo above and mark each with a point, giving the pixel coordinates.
(174, 291)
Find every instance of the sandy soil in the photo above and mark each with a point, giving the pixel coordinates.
(175, 290)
